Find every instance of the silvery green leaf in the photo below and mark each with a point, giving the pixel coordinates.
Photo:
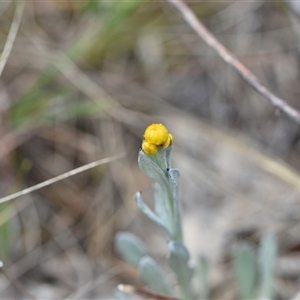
(150, 168)
(162, 158)
(203, 272)
(245, 268)
(130, 247)
(161, 206)
(149, 213)
(175, 182)
(179, 263)
(168, 156)
(153, 276)
(175, 187)
(267, 259)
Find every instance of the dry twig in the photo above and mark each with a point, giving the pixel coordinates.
(61, 177)
(11, 35)
(228, 57)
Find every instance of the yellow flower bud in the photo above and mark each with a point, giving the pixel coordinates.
(156, 134)
(148, 148)
(169, 141)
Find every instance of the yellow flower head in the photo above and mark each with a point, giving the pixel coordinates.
(156, 135)
(148, 148)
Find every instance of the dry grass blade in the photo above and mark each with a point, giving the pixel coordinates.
(74, 74)
(228, 57)
(61, 177)
(11, 35)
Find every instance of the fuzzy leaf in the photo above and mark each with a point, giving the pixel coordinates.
(160, 207)
(175, 182)
(203, 271)
(153, 276)
(245, 268)
(163, 158)
(268, 254)
(179, 263)
(130, 247)
(151, 168)
(149, 213)
(168, 157)
(175, 187)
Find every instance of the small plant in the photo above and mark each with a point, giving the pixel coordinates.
(154, 161)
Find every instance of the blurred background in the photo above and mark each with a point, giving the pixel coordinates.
(83, 81)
